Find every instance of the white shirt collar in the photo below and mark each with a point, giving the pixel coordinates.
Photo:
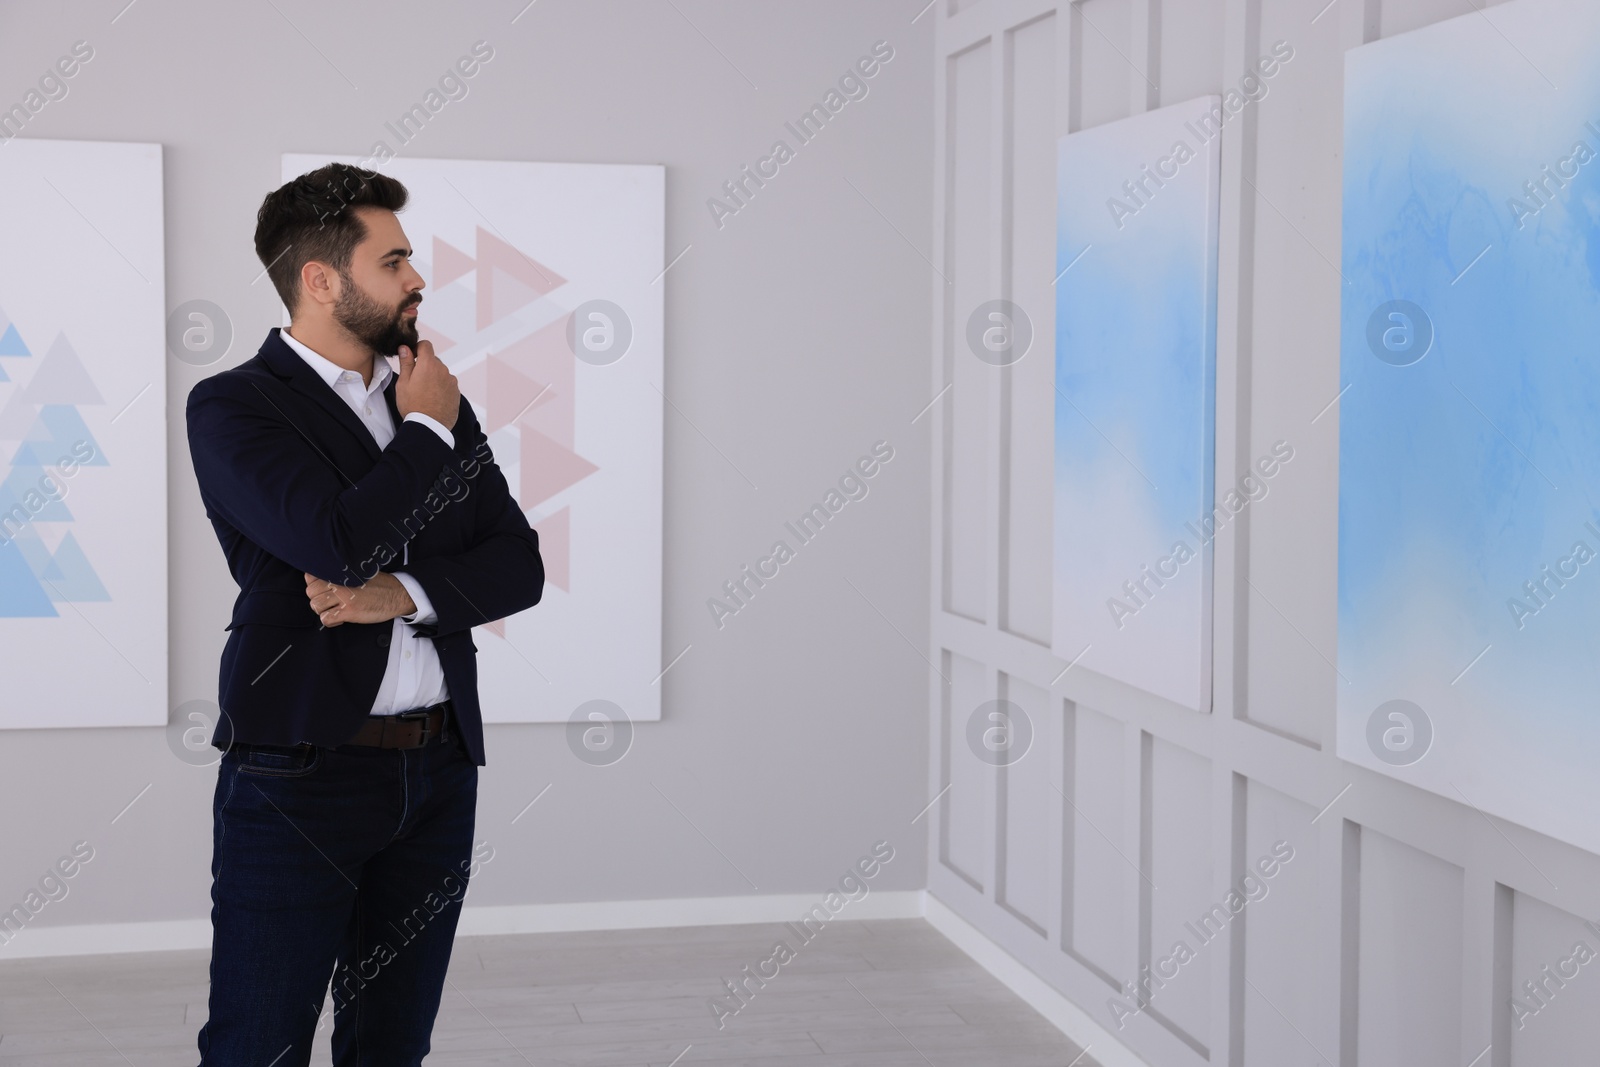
(330, 371)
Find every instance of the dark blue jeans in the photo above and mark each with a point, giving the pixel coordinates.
(349, 863)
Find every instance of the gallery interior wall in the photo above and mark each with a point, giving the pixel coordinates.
(1405, 921)
(793, 736)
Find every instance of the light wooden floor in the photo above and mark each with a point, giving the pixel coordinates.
(880, 993)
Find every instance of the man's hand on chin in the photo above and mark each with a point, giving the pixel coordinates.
(379, 600)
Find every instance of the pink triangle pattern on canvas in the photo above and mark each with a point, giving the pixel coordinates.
(508, 279)
(555, 548)
(449, 263)
(547, 467)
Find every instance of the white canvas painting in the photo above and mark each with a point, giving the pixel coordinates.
(1469, 443)
(1136, 253)
(544, 297)
(83, 435)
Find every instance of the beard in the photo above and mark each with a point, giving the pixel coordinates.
(382, 329)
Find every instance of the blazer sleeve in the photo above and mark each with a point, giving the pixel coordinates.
(272, 483)
(502, 572)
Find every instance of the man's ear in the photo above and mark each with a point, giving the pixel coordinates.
(318, 284)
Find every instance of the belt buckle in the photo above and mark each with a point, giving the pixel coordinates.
(414, 714)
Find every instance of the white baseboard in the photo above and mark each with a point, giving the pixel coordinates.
(1100, 1044)
(102, 938)
(684, 911)
(93, 939)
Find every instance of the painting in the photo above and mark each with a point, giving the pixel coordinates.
(1469, 413)
(83, 435)
(1135, 350)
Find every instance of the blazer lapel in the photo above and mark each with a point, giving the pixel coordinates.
(388, 398)
(287, 364)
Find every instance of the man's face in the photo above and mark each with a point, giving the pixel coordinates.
(379, 292)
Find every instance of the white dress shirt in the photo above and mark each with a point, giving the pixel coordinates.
(413, 678)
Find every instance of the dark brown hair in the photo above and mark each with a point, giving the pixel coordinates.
(307, 219)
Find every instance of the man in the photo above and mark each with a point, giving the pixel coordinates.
(344, 808)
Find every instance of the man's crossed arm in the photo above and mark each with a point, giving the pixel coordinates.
(281, 491)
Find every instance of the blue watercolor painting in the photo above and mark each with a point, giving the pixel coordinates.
(1469, 422)
(1135, 351)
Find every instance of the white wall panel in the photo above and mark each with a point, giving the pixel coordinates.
(1104, 877)
(1293, 338)
(1028, 400)
(969, 268)
(965, 833)
(1106, 69)
(1393, 935)
(1558, 993)
(1400, 16)
(1410, 952)
(1283, 954)
(1181, 895)
(1025, 819)
(1190, 47)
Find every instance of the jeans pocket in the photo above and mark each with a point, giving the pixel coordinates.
(279, 761)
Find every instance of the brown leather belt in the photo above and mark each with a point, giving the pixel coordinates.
(408, 729)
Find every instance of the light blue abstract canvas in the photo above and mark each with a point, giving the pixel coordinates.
(84, 438)
(1135, 345)
(1469, 449)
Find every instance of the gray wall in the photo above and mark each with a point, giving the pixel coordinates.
(1400, 928)
(796, 336)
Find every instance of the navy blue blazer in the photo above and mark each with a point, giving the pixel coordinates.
(293, 482)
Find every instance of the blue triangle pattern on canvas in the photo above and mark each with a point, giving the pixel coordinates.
(63, 434)
(11, 343)
(22, 484)
(21, 595)
(33, 550)
(69, 577)
(30, 454)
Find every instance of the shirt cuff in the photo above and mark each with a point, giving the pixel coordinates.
(433, 424)
(424, 613)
